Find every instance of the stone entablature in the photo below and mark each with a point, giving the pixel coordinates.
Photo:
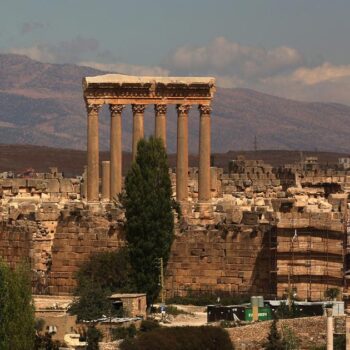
(117, 89)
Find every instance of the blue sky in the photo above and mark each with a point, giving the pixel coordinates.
(293, 48)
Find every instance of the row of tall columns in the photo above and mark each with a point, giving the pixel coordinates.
(114, 167)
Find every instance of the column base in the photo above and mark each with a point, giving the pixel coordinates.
(95, 207)
(186, 208)
(205, 210)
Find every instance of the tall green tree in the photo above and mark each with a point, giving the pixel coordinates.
(16, 308)
(149, 216)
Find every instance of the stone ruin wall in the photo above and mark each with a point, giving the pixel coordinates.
(230, 259)
(243, 247)
(79, 236)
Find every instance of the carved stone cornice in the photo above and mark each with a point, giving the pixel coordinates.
(183, 109)
(93, 108)
(160, 108)
(116, 109)
(205, 110)
(136, 108)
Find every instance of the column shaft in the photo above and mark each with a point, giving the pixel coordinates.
(182, 153)
(329, 329)
(138, 127)
(106, 170)
(347, 330)
(204, 154)
(93, 153)
(160, 122)
(116, 150)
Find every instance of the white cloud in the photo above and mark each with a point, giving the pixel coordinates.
(225, 57)
(282, 71)
(70, 51)
(323, 73)
(35, 53)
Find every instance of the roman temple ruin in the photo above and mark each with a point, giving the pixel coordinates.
(120, 90)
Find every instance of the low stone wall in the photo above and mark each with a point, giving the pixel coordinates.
(310, 331)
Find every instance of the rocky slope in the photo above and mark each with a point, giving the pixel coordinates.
(42, 104)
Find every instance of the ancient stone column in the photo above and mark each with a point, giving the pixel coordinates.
(182, 153)
(116, 149)
(138, 128)
(347, 329)
(204, 154)
(329, 312)
(106, 180)
(160, 122)
(93, 153)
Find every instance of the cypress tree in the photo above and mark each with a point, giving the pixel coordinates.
(149, 216)
(16, 308)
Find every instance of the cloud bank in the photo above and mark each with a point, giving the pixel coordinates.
(282, 71)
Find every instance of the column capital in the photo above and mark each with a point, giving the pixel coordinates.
(183, 108)
(205, 109)
(93, 108)
(138, 108)
(160, 108)
(116, 109)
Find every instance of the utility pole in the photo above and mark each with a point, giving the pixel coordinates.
(161, 280)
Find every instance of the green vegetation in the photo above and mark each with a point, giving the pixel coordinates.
(208, 299)
(102, 275)
(93, 337)
(339, 342)
(149, 217)
(274, 339)
(291, 341)
(149, 234)
(286, 311)
(180, 338)
(16, 309)
(124, 332)
(331, 293)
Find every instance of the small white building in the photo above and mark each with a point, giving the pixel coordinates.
(344, 162)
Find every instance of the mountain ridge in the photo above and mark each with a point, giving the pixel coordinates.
(42, 104)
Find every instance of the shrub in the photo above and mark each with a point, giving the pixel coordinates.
(292, 342)
(181, 338)
(274, 339)
(103, 274)
(93, 336)
(148, 325)
(339, 342)
(124, 332)
(331, 293)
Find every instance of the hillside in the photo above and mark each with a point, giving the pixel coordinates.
(42, 104)
(71, 162)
